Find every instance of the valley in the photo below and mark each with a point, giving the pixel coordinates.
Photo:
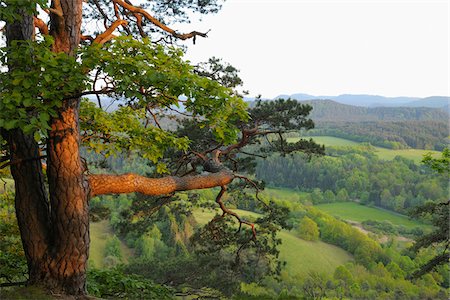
(346, 212)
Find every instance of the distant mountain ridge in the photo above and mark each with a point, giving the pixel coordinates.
(375, 100)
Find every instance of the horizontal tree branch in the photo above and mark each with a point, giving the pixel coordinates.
(102, 184)
(9, 284)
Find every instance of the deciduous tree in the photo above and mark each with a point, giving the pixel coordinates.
(130, 57)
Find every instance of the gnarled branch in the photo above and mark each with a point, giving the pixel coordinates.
(107, 35)
(102, 184)
(226, 211)
(136, 10)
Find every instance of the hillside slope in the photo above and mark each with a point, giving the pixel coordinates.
(300, 256)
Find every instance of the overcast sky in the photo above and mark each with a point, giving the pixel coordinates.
(383, 47)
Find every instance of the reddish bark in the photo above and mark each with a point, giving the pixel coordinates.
(55, 232)
(130, 183)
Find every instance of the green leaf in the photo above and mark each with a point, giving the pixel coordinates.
(37, 136)
(10, 124)
(16, 81)
(26, 83)
(44, 117)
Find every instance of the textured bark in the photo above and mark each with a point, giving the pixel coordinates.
(130, 183)
(31, 204)
(55, 228)
(68, 191)
(65, 25)
(65, 268)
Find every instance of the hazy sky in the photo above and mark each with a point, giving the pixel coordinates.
(383, 47)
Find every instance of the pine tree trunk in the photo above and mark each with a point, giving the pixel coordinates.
(31, 203)
(68, 187)
(32, 208)
(55, 233)
(69, 192)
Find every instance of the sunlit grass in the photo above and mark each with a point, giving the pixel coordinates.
(100, 232)
(355, 212)
(6, 184)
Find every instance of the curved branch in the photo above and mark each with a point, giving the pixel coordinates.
(136, 10)
(102, 184)
(40, 24)
(246, 135)
(226, 211)
(107, 35)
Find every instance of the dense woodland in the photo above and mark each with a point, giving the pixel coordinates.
(327, 110)
(354, 174)
(176, 254)
(431, 135)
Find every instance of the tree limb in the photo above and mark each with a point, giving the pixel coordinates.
(107, 35)
(136, 10)
(40, 24)
(102, 184)
(100, 10)
(9, 284)
(226, 211)
(19, 161)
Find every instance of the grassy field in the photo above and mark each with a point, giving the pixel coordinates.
(6, 184)
(414, 154)
(305, 256)
(383, 153)
(100, 233)
(283, 193)
(301, 256)
(330, 141)
(355, 212)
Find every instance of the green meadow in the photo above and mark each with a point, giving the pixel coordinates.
(356, 212)
(284, 194)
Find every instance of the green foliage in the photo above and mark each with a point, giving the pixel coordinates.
(283, 114)
(439, 238)
(308, 229)
(151, 76)
(440, 165)
(114, 284)
(424, 134)
(37, 85)
(113, 253)
(149, 246)
(123, 130)
(342, 273)
(357, 174)
(11, 9)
